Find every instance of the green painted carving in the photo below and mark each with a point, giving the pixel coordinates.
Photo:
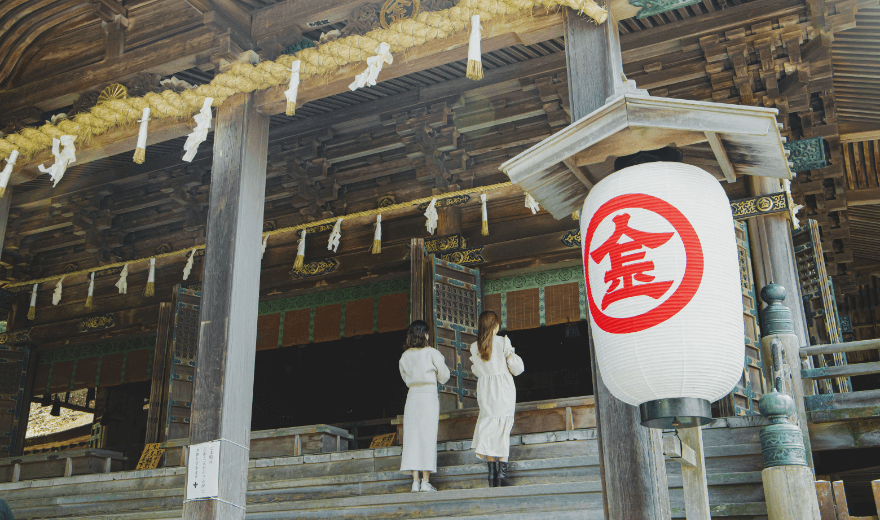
(652, 7)
(807, 154)
(534, 280)
(97, 349)
(349, 294)
(305, 43)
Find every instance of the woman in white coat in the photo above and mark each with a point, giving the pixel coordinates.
(421, 368)
(494, 363)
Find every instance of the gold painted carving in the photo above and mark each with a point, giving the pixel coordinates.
(395, 10)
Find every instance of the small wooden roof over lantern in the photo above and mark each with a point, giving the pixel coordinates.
(745, 140)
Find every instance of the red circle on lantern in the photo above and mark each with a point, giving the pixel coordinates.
(693, 272)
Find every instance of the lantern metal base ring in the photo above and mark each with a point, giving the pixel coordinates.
(679, 412)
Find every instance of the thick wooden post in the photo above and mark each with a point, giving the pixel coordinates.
(417, 289)
(158, 395)
(634, 472)
(224, 377)
(780, 266)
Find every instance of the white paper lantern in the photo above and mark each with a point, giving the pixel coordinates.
(663, 289)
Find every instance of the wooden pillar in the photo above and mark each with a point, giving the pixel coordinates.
(631, 460)
(417, 288)
(224, 377)
(158, 394)
(776, 250)
(449, 221)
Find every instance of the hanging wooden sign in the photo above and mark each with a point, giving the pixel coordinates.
(383, 441)
(151, 457)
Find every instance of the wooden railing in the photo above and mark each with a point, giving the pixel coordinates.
(849, 405)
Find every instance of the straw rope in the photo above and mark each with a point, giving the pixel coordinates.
(366, 213)
(244, 77)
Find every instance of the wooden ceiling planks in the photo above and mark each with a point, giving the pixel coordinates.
(856, 56)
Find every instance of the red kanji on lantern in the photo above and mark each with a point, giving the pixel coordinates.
(627, 266)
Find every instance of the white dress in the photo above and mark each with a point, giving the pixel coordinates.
(496, 395)
(421, 370)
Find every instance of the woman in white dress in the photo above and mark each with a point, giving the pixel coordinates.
(421, 368)
(494, 363)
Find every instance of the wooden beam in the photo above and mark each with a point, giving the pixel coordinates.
(223, 391)
(721, 156)
(305, 14)
(631, 458)
(863, 197)
(55, 92)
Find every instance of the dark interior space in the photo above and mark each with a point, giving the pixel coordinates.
(856, 467)
(356, 379)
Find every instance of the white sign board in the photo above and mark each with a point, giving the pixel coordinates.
(203, 471)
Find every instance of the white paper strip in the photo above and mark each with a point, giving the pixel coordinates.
(301, 247)
(532, 204)
(34, 295)
(374, 66)
(335, 236)
(122, 284)
(91, 284)
(431, 215)
(198, 136)
(56, 296)
(377, 235)
(265, 243)
(63, 157)
(189, 264)
(293, 88)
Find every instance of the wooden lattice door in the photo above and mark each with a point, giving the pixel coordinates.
(13, 374)
(182, 365)
(456, 306)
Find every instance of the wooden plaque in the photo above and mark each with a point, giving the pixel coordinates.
(383, 441)
(150, 457)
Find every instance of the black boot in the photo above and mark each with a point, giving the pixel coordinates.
(493, 473)
(501, 480)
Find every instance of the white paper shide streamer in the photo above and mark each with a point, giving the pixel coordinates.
(189, 264)
(485, 229)
(335, 236)
(65, 153)
(56, 296)
(122, 284)
(377, 236)
(265, 243)
(475, 62)
(431, 215)
(532, 204)
(7, 171)
(368, 77)
(198, 136)
(91, 290)
(300, 251)
(293, 89)
(646, 314)
(140, 153)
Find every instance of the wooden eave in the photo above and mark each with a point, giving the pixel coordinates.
(744, 139)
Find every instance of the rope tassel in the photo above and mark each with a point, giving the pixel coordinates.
(7, 171)
(576, 215)
(377, 236)
(150, 289)
(300, 251)
(485, 215)
(189, 264)
(335, 236)
(293, 89)
(122, 284)
(475, 61)
(431, 215)
(532, 204)
(32, 312)
(91, 290)
(140, 153)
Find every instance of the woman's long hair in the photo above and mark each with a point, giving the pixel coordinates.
(485, 333)
(416, 335)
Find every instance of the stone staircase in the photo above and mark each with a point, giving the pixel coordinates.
(555, 475)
